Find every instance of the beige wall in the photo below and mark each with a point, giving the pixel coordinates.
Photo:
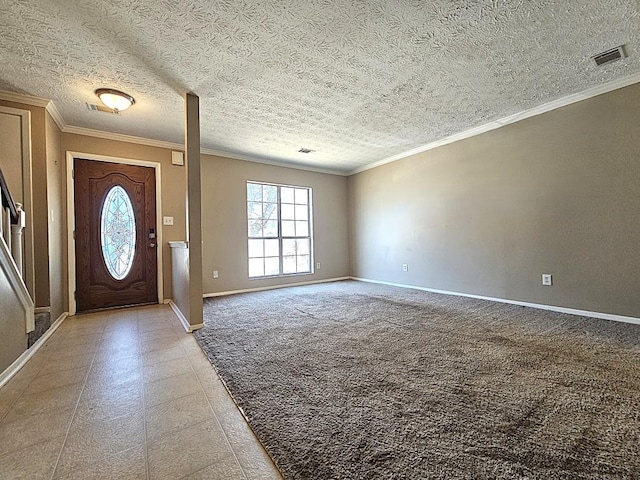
(173, 184)
(558, 193)
(11, 154)
(39, 199)
(224, 222)
(56, 202)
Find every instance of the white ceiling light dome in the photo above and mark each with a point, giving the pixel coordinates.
(115, 99)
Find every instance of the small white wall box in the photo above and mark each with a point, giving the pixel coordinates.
(177, 158)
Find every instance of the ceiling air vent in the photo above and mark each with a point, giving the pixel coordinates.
(98, 108)
(305, 150)
(610, 56)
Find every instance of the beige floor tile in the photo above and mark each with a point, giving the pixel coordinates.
(46, 401)
(152, 325)
(106, 362)
(253, 458)
(33, 367)
(189, 450)
(33, 429)
(89, 444)
(220, 470)
(171, 388)
(162, 343)
(177, 414)
(67, 363)
(15, 387)
(159, 356)
(34, 462)
(57, 379)
(170, 368)
(160, 333)
(129, 464)
(81, 338)
(72, 350)
(99, 402)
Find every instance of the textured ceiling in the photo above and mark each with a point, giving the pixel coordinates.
(357, 81)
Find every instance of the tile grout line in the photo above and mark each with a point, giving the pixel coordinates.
(75, 409)
(215, 415)
(144, 400)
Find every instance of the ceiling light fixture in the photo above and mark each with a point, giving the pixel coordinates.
(114, 99)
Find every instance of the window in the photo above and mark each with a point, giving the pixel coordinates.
(118, 232)
(279, 220)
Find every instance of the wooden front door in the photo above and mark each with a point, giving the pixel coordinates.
(115, 235)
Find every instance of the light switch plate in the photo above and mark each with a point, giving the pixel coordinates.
(167, 220)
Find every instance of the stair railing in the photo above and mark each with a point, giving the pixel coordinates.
(12, 225)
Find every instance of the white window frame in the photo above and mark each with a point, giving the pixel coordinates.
(280, 237)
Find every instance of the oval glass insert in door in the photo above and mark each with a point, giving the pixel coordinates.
(118, 232)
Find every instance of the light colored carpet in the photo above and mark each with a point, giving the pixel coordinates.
(350, 380)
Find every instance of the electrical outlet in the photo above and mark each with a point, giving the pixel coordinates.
(547, 279)
(405, 267)
(215, 274)
(318, 266)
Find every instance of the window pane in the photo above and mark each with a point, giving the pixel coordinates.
(303, 263)
(255, 228)
(286, 195)
(302, 229)
(269, 193)
(254, 192)
(272, 266)
(288, 229)
(289, 264)
(302, 212)
(254, 210)
(303, 247)
(271, 228)
(288, 247)
(271, 248)
(302, 196)
(270, 211)
(256, 267)
(288, 212)
(255, 248)
(118, 232)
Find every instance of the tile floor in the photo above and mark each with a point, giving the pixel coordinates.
(125, 394)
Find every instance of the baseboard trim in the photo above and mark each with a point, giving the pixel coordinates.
(540, 306)
(185, 324)
(21, 361)
(273, 287)
(42, 310)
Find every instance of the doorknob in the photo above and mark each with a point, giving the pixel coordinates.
(152, 245)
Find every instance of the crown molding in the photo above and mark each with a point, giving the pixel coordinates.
(24, 99)
(121, 137)
(269, 161)
(56, 115)
(516, 117)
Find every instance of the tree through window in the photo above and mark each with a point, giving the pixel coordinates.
(279, 229)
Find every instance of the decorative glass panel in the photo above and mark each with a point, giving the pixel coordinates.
(118, 232)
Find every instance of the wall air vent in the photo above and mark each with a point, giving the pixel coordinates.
(305, 150)
(99, 108)
(609, 56)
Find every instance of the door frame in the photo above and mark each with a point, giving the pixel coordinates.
(71, 220)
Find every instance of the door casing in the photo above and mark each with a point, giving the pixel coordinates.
(71, 217)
